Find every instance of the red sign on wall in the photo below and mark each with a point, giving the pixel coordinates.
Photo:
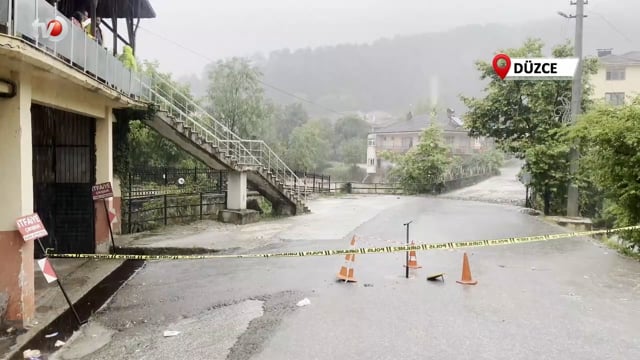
(31, 227)
(102, 191)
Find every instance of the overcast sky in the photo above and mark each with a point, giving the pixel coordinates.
(220, 29)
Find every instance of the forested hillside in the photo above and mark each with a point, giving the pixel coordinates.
(392, 74)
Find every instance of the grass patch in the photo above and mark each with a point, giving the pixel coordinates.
(623, 249)
(265, 205)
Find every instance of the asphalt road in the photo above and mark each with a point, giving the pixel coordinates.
(562, 299)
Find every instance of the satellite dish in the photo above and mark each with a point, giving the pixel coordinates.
(181, 181)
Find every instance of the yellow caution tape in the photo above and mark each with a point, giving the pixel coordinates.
(371, 250)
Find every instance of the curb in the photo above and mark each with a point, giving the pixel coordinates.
(64, 322)
(139, 250)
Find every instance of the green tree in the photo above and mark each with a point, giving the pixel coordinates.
(492, 159)
(290, 117)
(235, 97)
(608, 139)
(137, 145)
(164, 85)
(353, 151)
(421, 169)
(525, 118)
(344, 130)
(309, 147)
(349, 127)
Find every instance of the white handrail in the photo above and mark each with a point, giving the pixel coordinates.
(222, 134)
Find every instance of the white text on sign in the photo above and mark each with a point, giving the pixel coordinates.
(542, 68)
(102, 191)
(31, 227)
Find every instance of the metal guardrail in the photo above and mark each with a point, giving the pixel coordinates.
(27, 20)
(250, 153)
(456, 174)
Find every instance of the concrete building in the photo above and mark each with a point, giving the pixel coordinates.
(58, 92)
(403, 135)
(618, 77)
(61, 90)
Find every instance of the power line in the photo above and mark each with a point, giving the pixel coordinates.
(259, 80)
(614, 27)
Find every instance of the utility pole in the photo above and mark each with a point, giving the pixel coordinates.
(576, 108)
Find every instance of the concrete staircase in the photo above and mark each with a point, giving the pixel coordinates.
(185, 123)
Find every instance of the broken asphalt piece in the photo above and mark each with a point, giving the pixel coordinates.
(169, 333)
(368, 285)
(51, 335)
(304, 302)
(59, 343)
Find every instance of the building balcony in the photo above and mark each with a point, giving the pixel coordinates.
(393, 148)
(25, 22)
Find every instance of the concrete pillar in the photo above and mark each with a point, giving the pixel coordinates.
(117, 205)
(236, 190)
(16, 184)
(104, 173)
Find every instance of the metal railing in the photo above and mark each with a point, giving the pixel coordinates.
(247, 153)
(27, 20)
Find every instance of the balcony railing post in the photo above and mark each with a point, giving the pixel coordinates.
(130, 81)
(95, 73)
(10, 22)
(84, 62)
(35, 3)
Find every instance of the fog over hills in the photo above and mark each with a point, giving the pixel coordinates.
(391, 74)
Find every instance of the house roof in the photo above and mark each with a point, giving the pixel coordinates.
(630, 58)
(421, 122)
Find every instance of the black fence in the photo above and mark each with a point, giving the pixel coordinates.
(156, 197)
(314, 183)
(153, 197)
(454, 181)
(149, 212)
(160, 181)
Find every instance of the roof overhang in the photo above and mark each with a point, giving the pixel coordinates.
(137, 9)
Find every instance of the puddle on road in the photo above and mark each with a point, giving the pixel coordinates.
(66, 323)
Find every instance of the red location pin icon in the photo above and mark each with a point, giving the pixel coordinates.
(503, 70)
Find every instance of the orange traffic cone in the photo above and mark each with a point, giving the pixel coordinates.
(466, 273)
(346, 271)
(413, 260)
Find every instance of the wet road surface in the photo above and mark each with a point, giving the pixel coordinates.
(569, 298)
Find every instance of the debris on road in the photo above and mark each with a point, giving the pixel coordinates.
(304, 302)
(368, 285)
(435, 277)
(169, 333)
(59, 343)
(51, 335)
(32, 354)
